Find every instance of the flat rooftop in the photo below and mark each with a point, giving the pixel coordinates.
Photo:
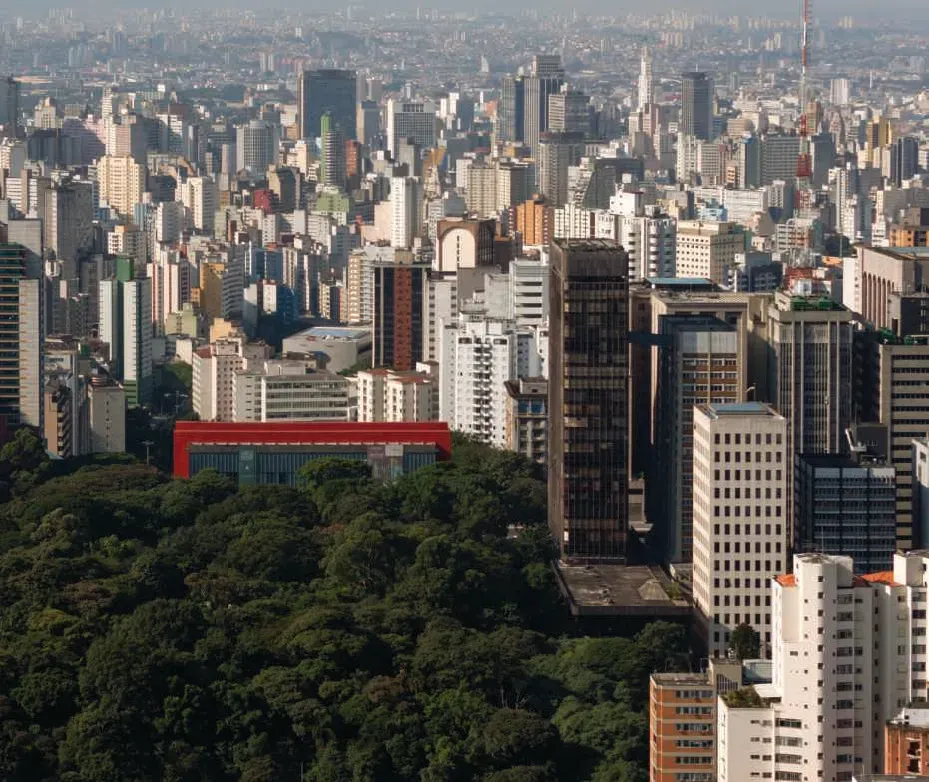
(333, 332)
(618, 590)
(739, 408)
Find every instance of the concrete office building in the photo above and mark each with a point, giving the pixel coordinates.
(811, 364)
(557, 153)
(701, 363)
(322, 91)
(696, 106)
(546, 78)
(409, 119)
(844, 506)
(289, 390)
(588, 400)
(569, 112)
(707, 249)
(107, 413)
(68, 224)
(848, 653)
(256, 146)
(739, 518)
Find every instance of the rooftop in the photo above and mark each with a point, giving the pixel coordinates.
(333, 332)
(681, 678)
(618, 590)
(738, 408)
(915, 715)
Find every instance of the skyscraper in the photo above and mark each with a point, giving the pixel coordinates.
(21, 337)
(696, 106)
(569, 112)
(256, 146)
(740, 469)
(557, 153)
(410, 119)
(646, 93)
(324, 91)
(405, 198)
(9, 102)
(588, 425)
(332, 161)
(700, 363)
(399, 293)
(546, 78)
(511, 110)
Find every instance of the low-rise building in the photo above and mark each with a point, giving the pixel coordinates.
(527, 418)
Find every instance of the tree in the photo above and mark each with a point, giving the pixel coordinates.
(745, 642)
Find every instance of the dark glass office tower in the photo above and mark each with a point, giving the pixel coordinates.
(327, 91)
(696, 106)
(588, 399)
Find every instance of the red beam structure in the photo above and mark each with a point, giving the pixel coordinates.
(194, 436)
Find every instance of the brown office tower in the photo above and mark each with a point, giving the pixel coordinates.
(399, 290)
(588, 407)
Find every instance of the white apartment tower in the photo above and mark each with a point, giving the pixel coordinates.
(848, 653)
(476, 356)
(740, 468)
(646, 92)
(405, 210)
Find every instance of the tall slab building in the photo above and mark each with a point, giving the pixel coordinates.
(588, 486)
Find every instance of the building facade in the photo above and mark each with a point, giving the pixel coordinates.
(739, 518)
(588, 399)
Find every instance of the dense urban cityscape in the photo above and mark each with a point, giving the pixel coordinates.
(438, 395)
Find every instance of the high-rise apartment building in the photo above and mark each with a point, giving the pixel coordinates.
(121, 183)
(399, 291)
(405, 211)
(848, 653)
(701, 363)
(22, 379)
(200, 195)
(696, 106)
(137, 376)
(385, 395)
(645, 96)
(332, 161)
(588, 399)
(843, 506)
(477, 356)
(740, 468)
(322, 91)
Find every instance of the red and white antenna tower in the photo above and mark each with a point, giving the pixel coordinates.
(804, 166)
